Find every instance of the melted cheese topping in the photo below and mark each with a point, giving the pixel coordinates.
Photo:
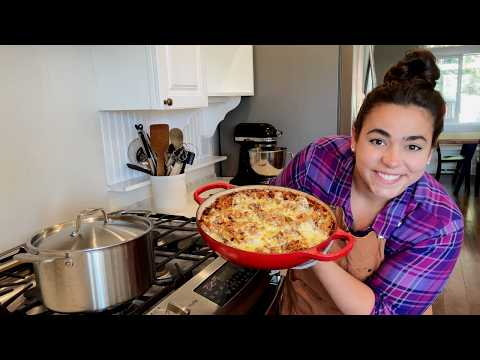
(267, 221)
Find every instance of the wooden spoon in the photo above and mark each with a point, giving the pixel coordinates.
(159, 138)
(176, 137)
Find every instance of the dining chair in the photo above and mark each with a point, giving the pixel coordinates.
(448, 159)
(462, 169)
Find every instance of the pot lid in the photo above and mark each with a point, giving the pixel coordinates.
(94, 232)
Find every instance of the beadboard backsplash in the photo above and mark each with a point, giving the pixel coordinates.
(198, 126)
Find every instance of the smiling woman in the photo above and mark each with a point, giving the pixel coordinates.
(408, 230)
(392, 149)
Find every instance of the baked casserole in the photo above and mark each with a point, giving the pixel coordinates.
(271, 221)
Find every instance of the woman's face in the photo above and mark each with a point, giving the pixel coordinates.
(392, 149)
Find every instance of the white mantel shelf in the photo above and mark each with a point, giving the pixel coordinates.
(206, 161)
(144, 181)
(212, 96)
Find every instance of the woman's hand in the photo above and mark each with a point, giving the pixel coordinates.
(350, 295)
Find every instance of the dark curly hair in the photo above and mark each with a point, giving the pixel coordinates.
(410, 82)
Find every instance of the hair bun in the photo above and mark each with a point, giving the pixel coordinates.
(417, 66)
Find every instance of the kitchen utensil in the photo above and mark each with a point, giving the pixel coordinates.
(146, 146)
(177, 161)
(135, 153)
(169, 165)
(174, 164)
(139, 168)
(190, 156)
(160, 137)
(262, 260)
(176, 168)
(92, 263)
(176, 137)
(269, 161)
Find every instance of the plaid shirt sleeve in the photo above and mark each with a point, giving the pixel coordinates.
(293, 175)
(410, 281)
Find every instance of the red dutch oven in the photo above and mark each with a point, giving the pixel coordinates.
(262, 260)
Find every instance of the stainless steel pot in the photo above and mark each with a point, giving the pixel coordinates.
(93, 262)
(268, 161)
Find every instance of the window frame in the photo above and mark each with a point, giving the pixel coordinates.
(457, 51)
(368, 84)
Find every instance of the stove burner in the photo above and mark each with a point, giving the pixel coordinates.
(163, 274)
(180, 253)
(33, 293)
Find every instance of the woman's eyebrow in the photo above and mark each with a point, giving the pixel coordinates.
(380, 131)
(387, 135)
(416, 137)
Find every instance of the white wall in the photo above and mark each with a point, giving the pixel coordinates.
(296, 90)
(388, 55)
(51, 150)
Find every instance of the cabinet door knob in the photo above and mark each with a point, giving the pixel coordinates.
(168, 102)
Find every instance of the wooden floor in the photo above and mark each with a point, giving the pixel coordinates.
(461, 295)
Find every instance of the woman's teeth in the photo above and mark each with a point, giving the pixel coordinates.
(387, 176)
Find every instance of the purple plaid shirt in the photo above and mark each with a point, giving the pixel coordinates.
(422, 227)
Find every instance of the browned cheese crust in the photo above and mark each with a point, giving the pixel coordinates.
(267, 221)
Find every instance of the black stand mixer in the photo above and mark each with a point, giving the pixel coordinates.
(260, 159)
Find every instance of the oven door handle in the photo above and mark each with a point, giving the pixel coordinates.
(176, 310)
(273, 308)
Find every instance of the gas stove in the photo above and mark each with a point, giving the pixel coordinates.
(190, 279)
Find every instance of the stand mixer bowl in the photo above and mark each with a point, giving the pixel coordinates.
(269, 161)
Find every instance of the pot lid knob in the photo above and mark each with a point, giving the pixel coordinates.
(87, 212)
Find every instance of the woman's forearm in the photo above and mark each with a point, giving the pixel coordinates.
(350, 295)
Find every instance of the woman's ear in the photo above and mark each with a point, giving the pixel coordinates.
(430, 157)
(354, 142)
(434, 147)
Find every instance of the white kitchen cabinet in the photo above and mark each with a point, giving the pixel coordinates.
(229, 70)
(149, 77)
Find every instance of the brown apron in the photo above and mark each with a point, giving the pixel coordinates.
(304, 294)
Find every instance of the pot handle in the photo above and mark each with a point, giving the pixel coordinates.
(32, 258)
(78, 221)
(316, 253)
(214, 185)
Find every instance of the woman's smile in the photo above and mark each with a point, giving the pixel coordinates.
(387, 178)
(386, 184)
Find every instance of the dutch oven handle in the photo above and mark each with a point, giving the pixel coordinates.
(214, 185)
(316, 254)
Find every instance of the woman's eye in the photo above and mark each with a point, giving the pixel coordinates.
(414, 147)
(377, 142)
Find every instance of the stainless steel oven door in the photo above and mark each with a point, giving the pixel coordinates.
(222, 288)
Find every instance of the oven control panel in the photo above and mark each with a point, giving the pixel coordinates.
(208, 292)
(224, 283)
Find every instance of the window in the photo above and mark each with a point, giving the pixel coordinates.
(459, 84)
(369, 80)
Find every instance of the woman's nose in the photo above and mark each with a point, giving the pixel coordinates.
(391, 157)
